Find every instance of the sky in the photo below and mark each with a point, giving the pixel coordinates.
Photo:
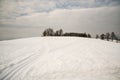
(29, 18)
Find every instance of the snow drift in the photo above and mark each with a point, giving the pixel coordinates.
(59, 58)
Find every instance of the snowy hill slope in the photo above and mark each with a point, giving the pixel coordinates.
(59, 58)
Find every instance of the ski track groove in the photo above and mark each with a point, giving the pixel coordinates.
(10, 74)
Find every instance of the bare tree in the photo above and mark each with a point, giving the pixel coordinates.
(59, 32)
(102, 36)
(108, 36)
(48, 32)
(97, 36)
(89, 36)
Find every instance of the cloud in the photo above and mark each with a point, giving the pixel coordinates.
(93, 16)
(96, 20)
(15, 8)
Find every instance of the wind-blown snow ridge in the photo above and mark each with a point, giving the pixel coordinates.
(59, 58)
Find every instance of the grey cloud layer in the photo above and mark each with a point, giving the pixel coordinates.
(10, 9)
(23, 18)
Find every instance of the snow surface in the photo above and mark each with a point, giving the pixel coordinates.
(59, 58)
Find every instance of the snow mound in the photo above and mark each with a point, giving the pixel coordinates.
(59, 58)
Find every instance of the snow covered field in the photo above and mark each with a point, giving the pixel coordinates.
(59, 58)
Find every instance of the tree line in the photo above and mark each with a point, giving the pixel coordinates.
(51, 32)
(108, 36)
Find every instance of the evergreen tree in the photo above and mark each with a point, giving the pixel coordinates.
(113, 36)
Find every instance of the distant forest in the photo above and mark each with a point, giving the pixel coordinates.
(108, 36)
(50, 32)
